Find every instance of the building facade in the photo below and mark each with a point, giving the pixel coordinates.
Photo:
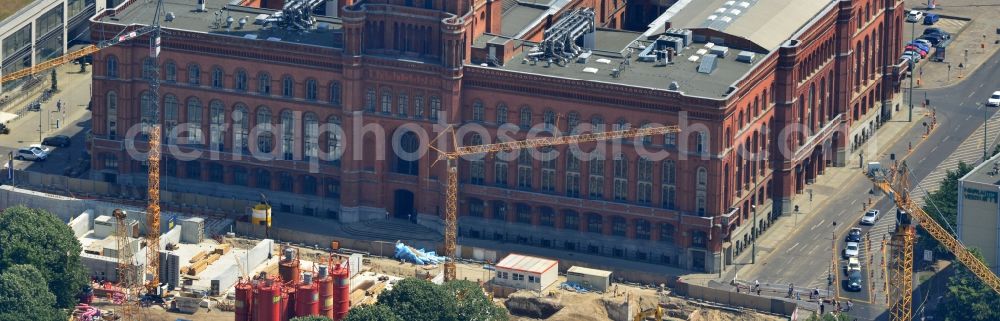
(393, 74)
(979, 212)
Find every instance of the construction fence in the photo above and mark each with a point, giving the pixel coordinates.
(730, 298)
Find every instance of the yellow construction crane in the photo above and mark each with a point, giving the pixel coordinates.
(129, 277)
(901, 259)
(451, 208)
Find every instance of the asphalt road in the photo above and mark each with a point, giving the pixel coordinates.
(958, 118)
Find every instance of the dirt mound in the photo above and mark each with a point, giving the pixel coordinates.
(529, 304)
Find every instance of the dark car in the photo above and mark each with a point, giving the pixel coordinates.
(57, 140)
(853, 282)
(4, 129)
(854, 235)
(933, 38)
(920, 45)
(931, 18)
(932, 31)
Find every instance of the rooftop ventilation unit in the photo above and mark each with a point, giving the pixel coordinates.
(200, 6)
(169, 17)
(590, 70)
(745, 56)
(674, 86)
(582, 58)
(560, 39)
(707, 65)
(260, 19)
(684, 34)
(720, 51)
(730, 3)
(694, 58)
(295, 14)
(243, 22)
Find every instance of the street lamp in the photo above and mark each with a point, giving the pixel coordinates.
(753, 251)
(913, 35)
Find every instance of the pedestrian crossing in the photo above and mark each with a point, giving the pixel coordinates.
(969, 151)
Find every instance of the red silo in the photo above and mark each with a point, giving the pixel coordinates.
(341, 292)
(288, 268)
(244, 301)
(325, 284)
(307, 297)
(267, 301)
(287, 302)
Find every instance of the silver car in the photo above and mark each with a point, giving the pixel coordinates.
(30, 154)
(851, 250)
(870, 217)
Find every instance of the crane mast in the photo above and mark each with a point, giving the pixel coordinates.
(903, 239)
(451, 158)
(153, 194)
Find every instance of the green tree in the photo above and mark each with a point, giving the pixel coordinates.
(371, 313)
(942, 205)
(37, 238)
(968, 298)
(473, 304)
(311, 318)
(23, 297)
(416, 299)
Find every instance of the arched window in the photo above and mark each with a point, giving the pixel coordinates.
(501, 113)
(217, 117)
(335, 93)
(596, 180)
(477, 110)
(648, 139)
(525, 118)
(218, 76)
(641, 229)
(288, 86)
(477, 166)
(701, 188)
(524, 169)
(370, 100)
(621, 178)
(241, 124)
(287, 134)
(418, 106)
(311, 89)
(402, 104)
(668, 187)
(170, 118)
(265, 136)
(594, 223)
(621, 124)
(549, 118)
(597, 123)
(409, 144)
(435, 107)
(333, 140)
(572, 175)
(618, 226)
(112, 63)
(194, 74)
(644, 187)
(170, 71)
(263, 83)
(310, 125)
(548, 170)
(572, 120)
(386, 101)
(112, 110)
(241, 80)
(194, 121)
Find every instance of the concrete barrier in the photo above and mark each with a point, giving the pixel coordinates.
(759, 303)
(81, 224)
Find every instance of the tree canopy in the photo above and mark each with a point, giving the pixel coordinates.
(830, 317)
(415, 299)
(22, 296)
(376, 312)
(37, 238)
(968, 298)
(942, 205)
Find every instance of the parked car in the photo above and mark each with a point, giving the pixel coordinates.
(30, 154)
(914, 16)
(936, 32)
(851, 250)
(924, 42)
(854, 235)
(853, 264)
(932, 30)
(923, 53)
(4, 129)
(57, 140)
(916, 55)
(39, 147)
(870, 217)
(854, 281)
(931, 19)
(994, 99)
(923, 46)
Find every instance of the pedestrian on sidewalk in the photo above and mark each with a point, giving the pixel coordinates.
(821, 308)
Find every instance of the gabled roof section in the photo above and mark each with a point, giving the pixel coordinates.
(767, 23)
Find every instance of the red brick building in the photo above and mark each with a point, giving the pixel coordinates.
(740, 73)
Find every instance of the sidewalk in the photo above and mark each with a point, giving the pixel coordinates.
(824, 189)
(979, 33)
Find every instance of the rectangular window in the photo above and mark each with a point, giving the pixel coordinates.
(370, 100)
(670, 139)
(621, 189)
(548, 180)
(418, 107)
(335, 93)
(667, 195)
(573, 184)
(524, 177)
(386, 102)
(194, 75)
(311, 89)
(644, 192)
(403, 104)
(478, 172)
(596, 186)
(500, 173)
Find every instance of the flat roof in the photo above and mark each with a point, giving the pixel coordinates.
(9, 7)
(524, 263)
(611, 45)
(186, 18)
(589, 271)
(984, 173)
(767, 23)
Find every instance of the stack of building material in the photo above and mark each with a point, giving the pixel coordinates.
(222, 249)
(203, 264)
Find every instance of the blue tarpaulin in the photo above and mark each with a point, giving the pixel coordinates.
(421, 257)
